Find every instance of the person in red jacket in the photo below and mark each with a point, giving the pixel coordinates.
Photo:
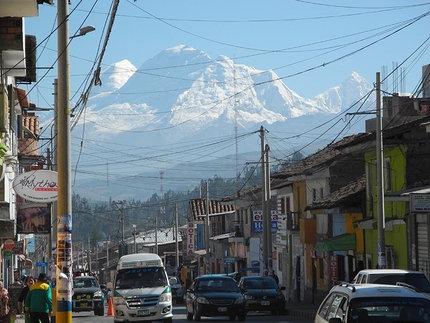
(39, 300)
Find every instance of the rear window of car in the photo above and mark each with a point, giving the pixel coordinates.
(388, 309)
(417, 280)
(216, 285)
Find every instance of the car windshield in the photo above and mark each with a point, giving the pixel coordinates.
(84, 283)
(416, 280)
(389, 309)
(217, 285)
(260, 283)
(140, 278)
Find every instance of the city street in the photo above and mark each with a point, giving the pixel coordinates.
(180, 317)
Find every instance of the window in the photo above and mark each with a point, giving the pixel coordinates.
(314, 194)
(321, 192)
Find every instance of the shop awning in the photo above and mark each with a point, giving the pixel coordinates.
(342, 242)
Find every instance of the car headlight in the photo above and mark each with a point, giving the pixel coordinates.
(239, 300)
(248, 296)
(98, 294)
(280, 296)
(202, 300)
(117, 300)
(165, 297)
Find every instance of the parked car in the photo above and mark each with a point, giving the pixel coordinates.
(177, 289)
(87, 295)
(262, 294)
(348, 303)
(392, 276)
(215, 295)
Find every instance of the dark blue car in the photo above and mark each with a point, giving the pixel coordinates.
(215, 295)
(262, 294)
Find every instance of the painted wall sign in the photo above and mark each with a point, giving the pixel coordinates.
(37, 186)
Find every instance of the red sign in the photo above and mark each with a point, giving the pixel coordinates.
(8, 244)
(333, 270)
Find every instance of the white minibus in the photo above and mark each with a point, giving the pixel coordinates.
(141, 290)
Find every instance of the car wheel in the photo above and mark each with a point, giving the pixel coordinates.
(189, 316)
(242, 317)
(169, 320)
(232, 317)
(197, 316)
(179, 300)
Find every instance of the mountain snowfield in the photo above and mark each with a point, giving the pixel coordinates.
(184, 90)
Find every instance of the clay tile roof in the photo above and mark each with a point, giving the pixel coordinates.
(343, 195)
(197, 208)
(320, 159)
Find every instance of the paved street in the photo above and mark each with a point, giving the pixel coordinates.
(180, 317)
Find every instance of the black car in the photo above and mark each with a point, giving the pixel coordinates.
(87, 295)
(215, 295)
(262, 294)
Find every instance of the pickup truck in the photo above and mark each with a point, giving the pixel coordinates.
(87, 295)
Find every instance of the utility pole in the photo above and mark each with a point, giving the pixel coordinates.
(156, 236)
(176, 240)
(380, 176)
(64, 201)
(121, 223)
(207, 224)
(267, 226)
(263, 270)
(134, 235)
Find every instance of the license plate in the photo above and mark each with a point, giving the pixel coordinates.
(265, 302)
(142, 312)
(83, 305)
(222, 309)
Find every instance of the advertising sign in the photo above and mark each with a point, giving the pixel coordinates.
(258, 221)
(33, 218)
(37, 186)
(190, 239)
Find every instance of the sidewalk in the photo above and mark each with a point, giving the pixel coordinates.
(302, 309)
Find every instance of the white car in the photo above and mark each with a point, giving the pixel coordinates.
(348, 303)
(393, 276)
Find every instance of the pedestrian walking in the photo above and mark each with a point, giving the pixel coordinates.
(28, 282)
(39, 301)
(5, 309)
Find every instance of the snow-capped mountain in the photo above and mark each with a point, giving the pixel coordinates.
(183, 88)
(183, 94)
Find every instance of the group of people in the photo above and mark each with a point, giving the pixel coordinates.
(34, 301)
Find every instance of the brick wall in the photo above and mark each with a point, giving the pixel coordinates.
(11, 36)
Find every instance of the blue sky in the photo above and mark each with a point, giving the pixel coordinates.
(293, 38)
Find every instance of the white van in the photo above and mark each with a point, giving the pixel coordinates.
(141, 290)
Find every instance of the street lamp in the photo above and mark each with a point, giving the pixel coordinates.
(83, 31)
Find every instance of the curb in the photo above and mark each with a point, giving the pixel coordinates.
(300, 313)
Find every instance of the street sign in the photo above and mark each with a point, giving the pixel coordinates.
(42, 264)
(229, 260)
